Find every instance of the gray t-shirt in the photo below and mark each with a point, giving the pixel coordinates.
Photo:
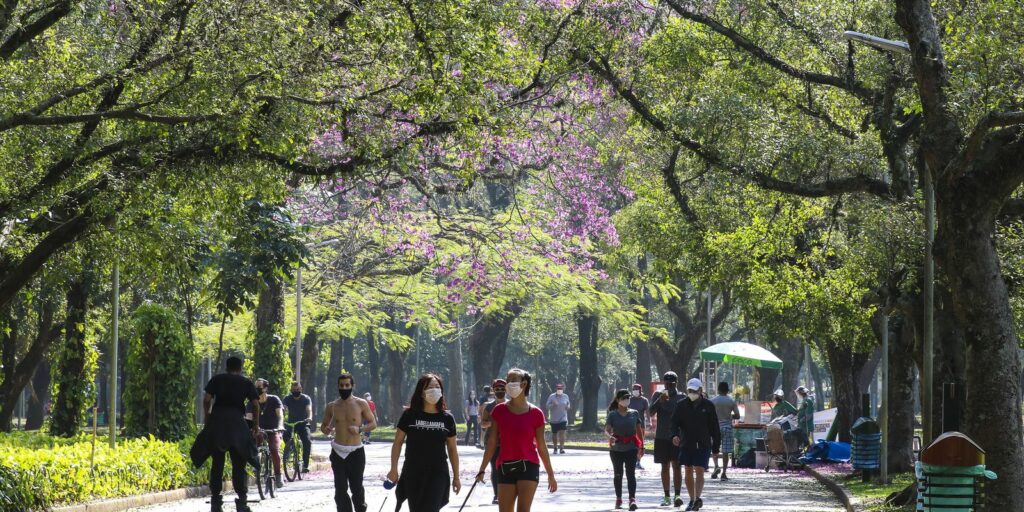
(558, 408)
(725, 406)
(623, 425)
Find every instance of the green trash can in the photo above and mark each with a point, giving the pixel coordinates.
(950, 488)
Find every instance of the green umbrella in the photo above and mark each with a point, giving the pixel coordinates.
(736, 352)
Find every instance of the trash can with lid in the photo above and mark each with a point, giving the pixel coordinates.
(951, 475)
(866, 449)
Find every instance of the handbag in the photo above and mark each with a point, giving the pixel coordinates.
(513, 466)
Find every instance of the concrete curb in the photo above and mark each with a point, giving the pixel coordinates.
(852, 504)
(144, 500)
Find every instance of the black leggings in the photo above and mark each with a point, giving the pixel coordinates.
(348, 474)
(239, 477)
(627, 459)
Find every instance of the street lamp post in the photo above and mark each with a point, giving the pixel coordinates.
(927, 376)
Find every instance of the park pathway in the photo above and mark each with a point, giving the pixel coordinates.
(584, 480)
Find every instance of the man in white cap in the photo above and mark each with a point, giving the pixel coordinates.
(558, 417)
(781, 407)
(696, 433)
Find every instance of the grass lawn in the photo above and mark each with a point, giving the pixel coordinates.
(871, 494)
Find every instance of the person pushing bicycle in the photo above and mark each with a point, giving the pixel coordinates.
(300, 409)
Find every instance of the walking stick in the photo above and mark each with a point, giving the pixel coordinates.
(468, 494)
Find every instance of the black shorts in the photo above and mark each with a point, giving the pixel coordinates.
(531, 473)
(665, 451)
(559, 427)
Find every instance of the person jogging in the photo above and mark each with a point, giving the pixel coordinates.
(663, 405)
(271, 421)
(520, 426)
(471, 414)
(498, 387)
(558, 416)
(428, 431)
(727, 410)
(225, 432)
(345, 417)
(300, 409)
(625, 429)
(695, 432)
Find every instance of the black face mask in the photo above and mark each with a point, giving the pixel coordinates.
(296, 394)
(345, 393)
(671, 387)
(499, 394)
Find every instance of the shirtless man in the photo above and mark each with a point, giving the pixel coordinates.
(346, 417)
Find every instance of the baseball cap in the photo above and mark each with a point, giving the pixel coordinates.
(637, 386)
(498, 382)
(779, 392)
(693, 384)
(670, 376)
(559, 386)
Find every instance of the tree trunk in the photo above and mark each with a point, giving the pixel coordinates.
(487, 344)
(310, 356)
(590, 379)
(766, 379)
(69, 406)
(334, 367)
(39, 395)
(397, 396)
(845, 366)
(373, 350)
(819, 385)
(900, 396)
(456, 386)
(791, 351)
(967, 254)
(271, 360)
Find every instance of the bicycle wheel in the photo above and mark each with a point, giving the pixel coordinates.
(291, 469)
(298, 459)
(269, 482)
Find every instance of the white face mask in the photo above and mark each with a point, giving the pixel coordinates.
(513, 389)
(636, 392)
(432, 396)
(623, 403)
(693, 395)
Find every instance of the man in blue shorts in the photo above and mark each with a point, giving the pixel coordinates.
(696, 433)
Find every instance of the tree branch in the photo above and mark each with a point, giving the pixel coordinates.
(668, 172)
(24, 34)
(827, 188)
(853, 87)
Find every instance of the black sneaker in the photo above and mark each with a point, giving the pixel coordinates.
(689, 506)
(697, 504)
(679, 503)
(494, 501)
(563, 451)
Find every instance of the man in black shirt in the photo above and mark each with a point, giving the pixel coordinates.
(271, 421)
(225, 431)
(300, 408)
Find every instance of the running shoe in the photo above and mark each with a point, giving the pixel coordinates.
(714, 475)
(689, 507)
(723, 478)
(563, 451)
(666, 501)
(697, 504)
(494, 501)
(679, 502)
(618, 503)
(632, 503)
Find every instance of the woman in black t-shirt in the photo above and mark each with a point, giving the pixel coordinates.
(428, 431)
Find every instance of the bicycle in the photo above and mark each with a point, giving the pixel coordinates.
(266, 484)
(292, 457)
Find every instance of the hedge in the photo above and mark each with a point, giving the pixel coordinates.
(37, 471)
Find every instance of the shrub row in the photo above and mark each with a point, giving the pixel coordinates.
(37, 471)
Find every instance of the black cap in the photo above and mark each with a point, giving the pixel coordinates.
(670, 376)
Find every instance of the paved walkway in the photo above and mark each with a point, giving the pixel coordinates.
(584, 480)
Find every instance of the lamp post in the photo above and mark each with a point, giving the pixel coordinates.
(928, 361)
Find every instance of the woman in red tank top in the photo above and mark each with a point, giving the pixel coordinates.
(520, 427)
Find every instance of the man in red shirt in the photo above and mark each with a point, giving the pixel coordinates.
(373, 410)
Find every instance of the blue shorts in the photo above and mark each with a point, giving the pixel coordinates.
(697, 457)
